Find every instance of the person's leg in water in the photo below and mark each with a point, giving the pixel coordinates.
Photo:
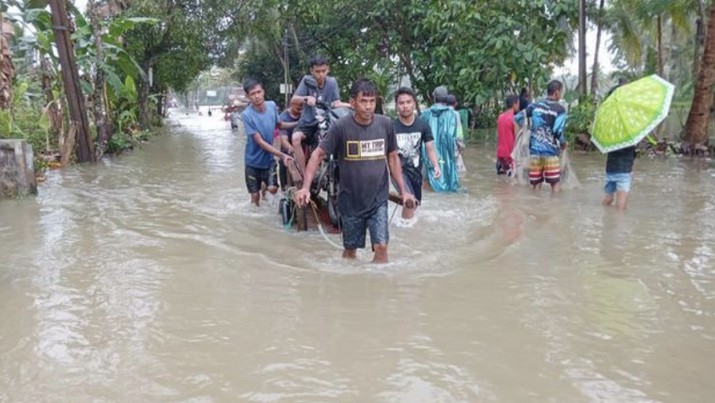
(552, 173)
(609, 189)
(353, 235)
(378, 225)
(536, 172)
(253, 184)
(623, 187)
(621, 200)
(271, 180)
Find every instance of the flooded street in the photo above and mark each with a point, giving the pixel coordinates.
(149, 277)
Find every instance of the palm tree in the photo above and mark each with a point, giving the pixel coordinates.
(638, 27)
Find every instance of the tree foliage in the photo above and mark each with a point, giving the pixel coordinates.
(478, 49)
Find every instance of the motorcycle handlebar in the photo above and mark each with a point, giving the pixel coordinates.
(322, 104)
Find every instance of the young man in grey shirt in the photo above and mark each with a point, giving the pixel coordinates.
(325, 90)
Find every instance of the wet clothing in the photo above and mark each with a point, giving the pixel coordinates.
(329, 93)
(621, 161)
(410, 142)
(445, 126)
(413, 184)
(375, 221)
(505, 134)
(263, 123)
(619, 165)
(544, 168)
(505, 166)
(256, 176)
(620, 182)
(361, 152)
(548, 123)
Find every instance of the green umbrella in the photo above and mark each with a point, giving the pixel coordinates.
(631, 112)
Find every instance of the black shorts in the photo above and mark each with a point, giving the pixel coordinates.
(257, 176)
(310, 133)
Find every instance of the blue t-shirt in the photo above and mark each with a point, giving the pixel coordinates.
(548, 122)
(264, 123)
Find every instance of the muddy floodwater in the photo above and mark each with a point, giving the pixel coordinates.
(150, 278)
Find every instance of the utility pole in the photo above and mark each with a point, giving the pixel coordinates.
(583, 90)
(79, 123)
(285, 67)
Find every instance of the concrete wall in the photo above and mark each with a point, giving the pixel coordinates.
(17, 174)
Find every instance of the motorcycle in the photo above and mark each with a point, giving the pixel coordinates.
(327, 177)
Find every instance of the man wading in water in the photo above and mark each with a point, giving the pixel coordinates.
(411, 134)
(260, 120)
(363, 144)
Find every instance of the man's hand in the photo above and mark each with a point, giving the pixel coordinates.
(286, 159)
(437, 171)
(408, 200)
(310, 100)
(302, 197)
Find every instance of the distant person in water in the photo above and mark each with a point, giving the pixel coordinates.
(506, 135)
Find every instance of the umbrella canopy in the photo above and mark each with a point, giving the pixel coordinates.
(631, 112)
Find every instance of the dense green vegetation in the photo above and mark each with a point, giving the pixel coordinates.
(132, 54)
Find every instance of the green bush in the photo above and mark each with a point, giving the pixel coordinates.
(580, 119)
(27, 121)
(486, 118)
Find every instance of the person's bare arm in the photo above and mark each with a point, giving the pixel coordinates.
(287, 125)
(302, 196)
(268, 147)
(339, 103)
(432, 155)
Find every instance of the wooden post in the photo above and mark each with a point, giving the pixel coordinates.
(70, 79)
(582, 82)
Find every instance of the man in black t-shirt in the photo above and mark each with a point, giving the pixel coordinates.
(411, 134)
(363, 144)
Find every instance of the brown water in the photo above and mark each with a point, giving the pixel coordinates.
(150, 278)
